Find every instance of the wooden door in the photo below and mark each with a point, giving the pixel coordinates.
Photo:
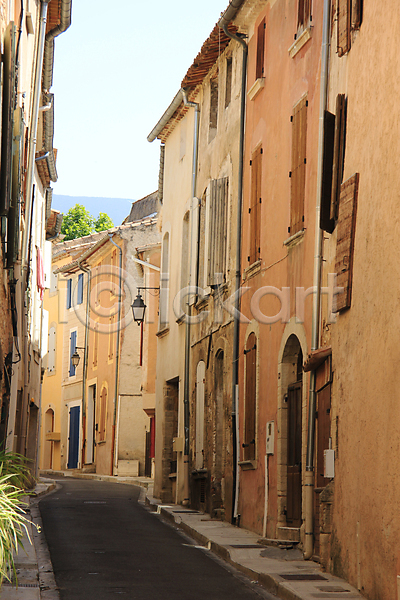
(293, 514)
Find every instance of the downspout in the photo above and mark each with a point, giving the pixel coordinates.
(113, 453)
(85, 360)
(309, 474)
(33, 129)
(186, 393)
(224, 22)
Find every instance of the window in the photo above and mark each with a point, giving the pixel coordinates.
(345, 240)
(53, 282)
(69, 293)
(255, 205)
(260, 50)
(201, 279)
(333, 163)
(80, 289)
(298, 173)
(164, 281)
(51, 363)
(303, 14)
(103, 415)
(349, 17)
(185, 251)
(218, 231)
(213, 109)
(249, 437)
(72, 349)
(228, 81)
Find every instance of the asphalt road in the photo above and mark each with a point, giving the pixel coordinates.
(103, 544)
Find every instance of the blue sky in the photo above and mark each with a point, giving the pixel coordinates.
(116, 71)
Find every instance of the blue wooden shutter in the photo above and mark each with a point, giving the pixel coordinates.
(80, 289)
(72, 350)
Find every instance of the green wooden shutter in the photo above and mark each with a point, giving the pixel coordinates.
(8, 102)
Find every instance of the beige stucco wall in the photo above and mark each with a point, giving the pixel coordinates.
(366, 525)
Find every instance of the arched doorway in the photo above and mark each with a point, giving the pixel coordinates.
(291, 371)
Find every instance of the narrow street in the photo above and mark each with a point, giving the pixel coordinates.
(104, 543)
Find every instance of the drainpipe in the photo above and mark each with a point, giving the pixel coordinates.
(113, 445)
(85, 360)
(186, 393)
(309, 474)
(33, 128)
(224, 22)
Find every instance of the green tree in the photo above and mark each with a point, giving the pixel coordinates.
(103, 222)
(77, 222)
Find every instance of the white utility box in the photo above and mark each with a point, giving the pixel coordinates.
(329, 463)
(270, 437)
(178, 444)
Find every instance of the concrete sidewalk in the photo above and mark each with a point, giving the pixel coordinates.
(35, 576)
(282, 572)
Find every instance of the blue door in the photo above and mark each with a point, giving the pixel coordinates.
(73, 440)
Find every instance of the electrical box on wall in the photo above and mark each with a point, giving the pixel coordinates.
(270, 437)
(178, 444)
(329, 464)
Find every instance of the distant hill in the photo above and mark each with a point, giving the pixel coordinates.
(116, 208)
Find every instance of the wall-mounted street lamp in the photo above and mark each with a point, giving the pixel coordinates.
(75, 358)
(139, 307)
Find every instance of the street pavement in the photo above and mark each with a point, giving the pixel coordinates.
(104, 543)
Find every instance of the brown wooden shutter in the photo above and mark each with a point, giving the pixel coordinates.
(356, 13)
(298, 175)
(255, 205)
(260, 50)
(338, 153)
(345, 240)
(326, 222)
(304, 13)
(343, 26)
(249, 445)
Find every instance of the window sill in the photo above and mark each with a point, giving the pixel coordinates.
(252, 270)
(300, 42)
(172, 476)
(247, 465)
(256, 88)
(180, 320)
(162, 332)
(101, 443)
(202, 303)
(200, 474)
(294, 239)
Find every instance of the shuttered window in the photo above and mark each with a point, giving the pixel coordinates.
(260, 50)
(80, 289)
(326, 223)
(218, 231)
(345, 240)
(343, 26)
(338, 153)
(299, 159)
(213, 109)
(103, 415)
(303, 13)
(8, 100)
(249, 441)
(255, 205)
(69, 293)
(349, 17)
(51, 363)
(71, 352)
